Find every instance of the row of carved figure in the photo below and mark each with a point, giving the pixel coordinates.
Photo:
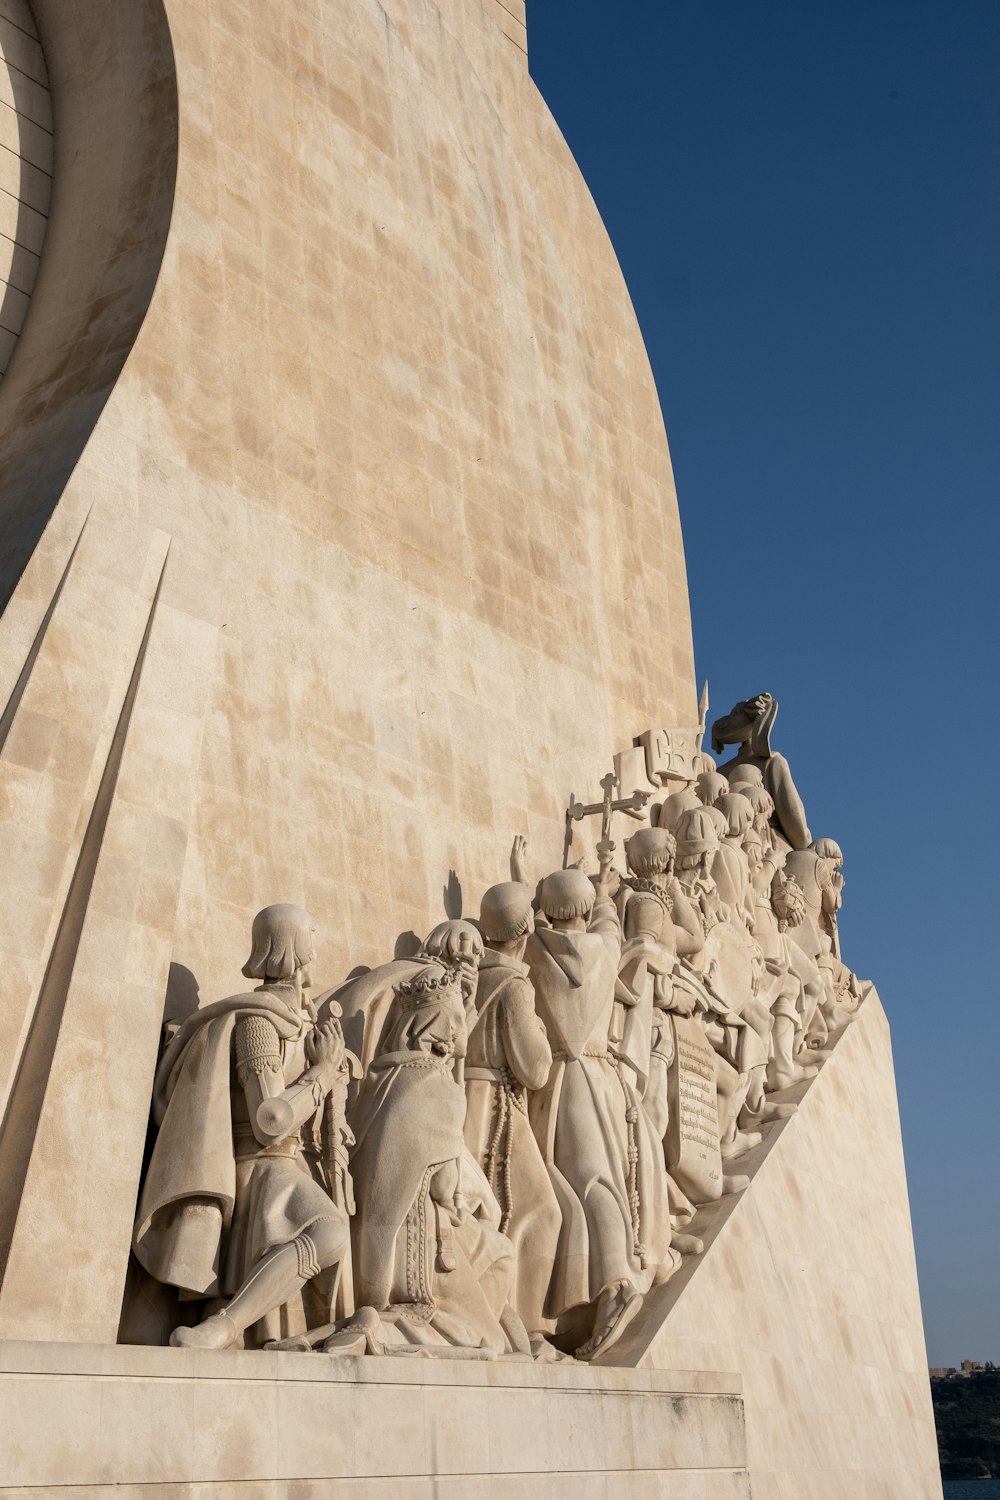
(496, 1147)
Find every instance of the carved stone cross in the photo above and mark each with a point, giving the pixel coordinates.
(577, 811)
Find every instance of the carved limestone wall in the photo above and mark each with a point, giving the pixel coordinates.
(382, 549)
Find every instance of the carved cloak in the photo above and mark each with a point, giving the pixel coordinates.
(189, 1193)
(587, 1119)
(508, 1053)
(434, 1281)
(408, 1121)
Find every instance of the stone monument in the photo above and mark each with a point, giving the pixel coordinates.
(342, 1151)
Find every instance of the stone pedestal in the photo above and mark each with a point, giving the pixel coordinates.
(170, 1422)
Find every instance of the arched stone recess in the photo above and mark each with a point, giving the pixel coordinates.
(111, 72)
(25, 167)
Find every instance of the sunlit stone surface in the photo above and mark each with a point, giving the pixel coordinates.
(339, 547)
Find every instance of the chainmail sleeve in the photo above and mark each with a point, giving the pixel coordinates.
(258, 1048)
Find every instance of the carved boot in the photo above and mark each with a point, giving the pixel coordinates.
(783, 1071)
(216, 1332)
(772, 1110)
(741, 1141)
(276, 1278)
(687, 1244)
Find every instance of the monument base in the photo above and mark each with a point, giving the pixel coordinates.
(90, 1421)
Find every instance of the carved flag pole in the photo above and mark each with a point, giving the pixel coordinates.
(702, 715)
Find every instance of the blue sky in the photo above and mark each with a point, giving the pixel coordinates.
(805, 200)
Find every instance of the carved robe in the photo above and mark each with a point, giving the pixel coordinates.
(731, 874)
(789, 821)
(650, 955)
(509, 1055)
(780, 986)
(588, 1123)
(437, 1274)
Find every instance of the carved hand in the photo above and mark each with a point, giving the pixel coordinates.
(519, 859)
(325, 1050)
(608, 879)
(444, 1190)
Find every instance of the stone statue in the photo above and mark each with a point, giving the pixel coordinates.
(729, 868)
(238, 1201)
(762, 807)
(606, 1164)
(749, 725)
(745, 774)
(495, 1148)
(667, 813)
(430, 1259)
(459, 945)
(817, 872)
(659, 924)
(365, 1001)
(730, 966)
(710, 786)
(509, 1057)
(779, 906)
(433, 1271)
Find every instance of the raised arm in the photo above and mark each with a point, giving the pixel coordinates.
(689, 934)
(519, 860)
(604, 919)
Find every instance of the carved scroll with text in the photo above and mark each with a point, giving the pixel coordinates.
(692, 1141)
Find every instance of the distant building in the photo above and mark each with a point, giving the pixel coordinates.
(941, 1372)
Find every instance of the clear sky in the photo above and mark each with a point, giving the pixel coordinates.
(805, 200)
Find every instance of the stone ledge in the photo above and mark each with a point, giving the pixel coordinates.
(82, 1417)
(124, 1361)
(683, 1484)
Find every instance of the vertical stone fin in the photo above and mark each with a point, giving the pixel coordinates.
(27, 1095)
(17, 693)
